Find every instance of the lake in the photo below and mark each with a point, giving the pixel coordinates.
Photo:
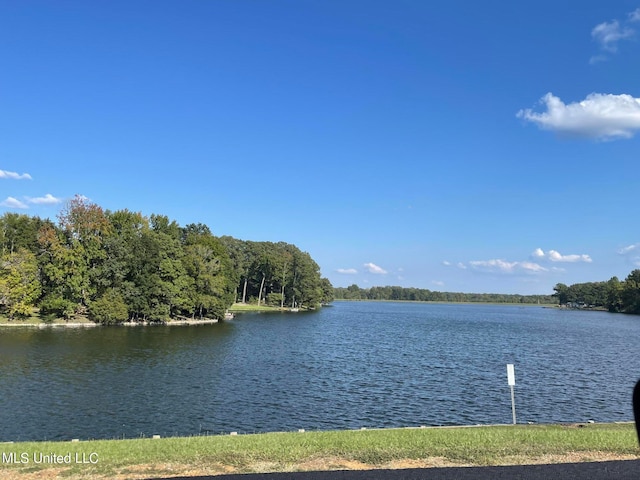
(347, 366)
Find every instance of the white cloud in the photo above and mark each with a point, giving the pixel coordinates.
(14, 175)
(628, 249)
(531, 267)
(599, 116)
(538, 253)
(555, 256)
(597, 59)
(631, 252)
(608, 34)
(347, 271)
(439, 283)
(373, 268)
(446, 263)
(502, 266)
(495, 264)
(461, 265)
(11, 202)
(48, 199)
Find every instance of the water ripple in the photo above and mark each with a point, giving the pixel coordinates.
(354, 365)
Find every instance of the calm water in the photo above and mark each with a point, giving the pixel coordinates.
(348, 366)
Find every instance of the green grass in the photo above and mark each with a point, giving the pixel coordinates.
(250, 307)
(33, 318)
(36, 319)
(20, 321)
(334, 449)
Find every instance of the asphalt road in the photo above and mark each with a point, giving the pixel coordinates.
(618, 470)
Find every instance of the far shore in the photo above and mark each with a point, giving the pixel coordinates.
(443, 302)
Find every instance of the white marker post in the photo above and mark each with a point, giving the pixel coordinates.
(511, 380)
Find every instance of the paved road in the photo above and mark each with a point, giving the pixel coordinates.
(618, 470)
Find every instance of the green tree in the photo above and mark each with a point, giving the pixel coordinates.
(156, 285)
(562, 293)
(19, 283)
(162, 224)
(327, 290)
(353, 292)
(284, 264)
(84, 226)
(240, 258)
(126, 230)
(614, 295)
(19, 231)
(109, 308)
(631, 292)
(306, 281)
(63, 272)
(209, 268)
(275, 299)
(262, 268)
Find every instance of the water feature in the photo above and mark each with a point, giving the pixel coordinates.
(351, 365)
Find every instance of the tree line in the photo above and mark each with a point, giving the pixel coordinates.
(353, 292)
(119, 266)
(614, 295)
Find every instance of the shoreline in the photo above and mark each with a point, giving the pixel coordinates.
(42, 325)
(443, 302)
(362, 430)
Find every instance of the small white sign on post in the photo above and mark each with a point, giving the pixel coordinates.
(511, 375)
(511, 380)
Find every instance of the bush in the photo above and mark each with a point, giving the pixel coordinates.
(109, 308)
(54, 306)
(274, 299)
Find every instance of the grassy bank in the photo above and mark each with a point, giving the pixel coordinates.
(36, 319)
(392, 448)
(252, 307)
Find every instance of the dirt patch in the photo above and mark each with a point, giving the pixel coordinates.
(332, 463)
(430, 462)
(44, 474)
(143, 471)
(135, 472)
(337, 463)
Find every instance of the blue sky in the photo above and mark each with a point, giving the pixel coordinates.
(456, 146)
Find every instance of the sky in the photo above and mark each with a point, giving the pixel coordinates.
(449, 145)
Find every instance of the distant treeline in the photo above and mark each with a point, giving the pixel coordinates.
(119, 266)
(614, 295)
(354, 292)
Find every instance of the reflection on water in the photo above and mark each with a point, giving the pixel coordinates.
(360, 364)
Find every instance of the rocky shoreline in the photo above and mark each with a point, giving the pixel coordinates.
(124, 324)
